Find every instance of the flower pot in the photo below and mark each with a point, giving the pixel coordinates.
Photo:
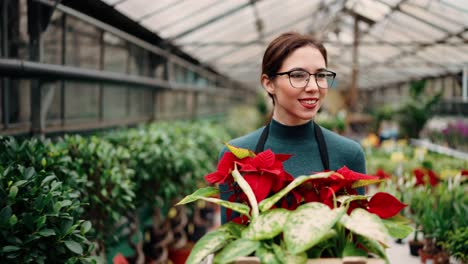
(415, 246)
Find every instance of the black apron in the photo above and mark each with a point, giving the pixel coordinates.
(318, 136)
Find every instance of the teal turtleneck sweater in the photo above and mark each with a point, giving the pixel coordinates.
(301, 143)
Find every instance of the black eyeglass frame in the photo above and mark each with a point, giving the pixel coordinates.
(308, 80)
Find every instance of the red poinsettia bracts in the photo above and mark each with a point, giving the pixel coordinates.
(382, 174)
(384, 205)
(265, 174)
(425, 176)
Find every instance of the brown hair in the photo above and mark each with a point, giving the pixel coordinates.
(282, 46)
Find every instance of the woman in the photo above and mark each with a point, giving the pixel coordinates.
(295, 75)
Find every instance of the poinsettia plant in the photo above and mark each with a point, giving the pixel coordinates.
(283, 219)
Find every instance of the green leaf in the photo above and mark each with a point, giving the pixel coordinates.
(366, 224)
(351, 250)
(239, 248)
(44, 162)
(20, 183)
(85, 227)
(13, 192)
(267, 225)
(41, 221)
(209, 243)
(204, 192)
(74, 247)
(308, 225)
(47, 232)
(29, 172)
(13, 220)
(48, 179)
(5, 215)
(269, 202)
(361, 183)
(7, 249)
(397, 229)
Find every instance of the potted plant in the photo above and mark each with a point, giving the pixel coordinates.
(456, 244)
(287, 220)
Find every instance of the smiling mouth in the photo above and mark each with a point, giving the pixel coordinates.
(309, 101)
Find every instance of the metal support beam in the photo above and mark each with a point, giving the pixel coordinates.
(214, 19)
(35, 29)
(465, 83)
(4, 53)
(352, 92)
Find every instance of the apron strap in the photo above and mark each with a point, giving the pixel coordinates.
(318, 136)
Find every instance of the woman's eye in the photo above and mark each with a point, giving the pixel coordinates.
(299, 75)
(321, 75)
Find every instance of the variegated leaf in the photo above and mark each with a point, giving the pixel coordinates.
(308, 225)
(237, 248)
(349, 198)
(203, 192)
(267, 225)
(208, 244)
(366, 224)
(244, 185)
(232, 228)
(269, 202)
(238, 207)
(300, 258)
(267, 256)
(240, 153)
(372, 246)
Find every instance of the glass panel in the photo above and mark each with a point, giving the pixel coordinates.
(82, 44)
(51, 96)
(23, 37)
(81, 102)
(19, 101)
(114, 102)
(52, 40)
(115, 54)
(138, 61)
(140, 102)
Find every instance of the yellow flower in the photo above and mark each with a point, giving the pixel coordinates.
(397, 156)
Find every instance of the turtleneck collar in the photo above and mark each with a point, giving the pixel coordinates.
(300, 132)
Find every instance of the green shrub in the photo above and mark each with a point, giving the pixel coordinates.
(39, 213)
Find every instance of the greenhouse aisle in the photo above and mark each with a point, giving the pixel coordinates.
(399, 254)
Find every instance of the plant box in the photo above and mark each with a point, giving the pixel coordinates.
(346, 260)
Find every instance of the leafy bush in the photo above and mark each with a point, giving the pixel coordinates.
(108, 188)
(39, 212)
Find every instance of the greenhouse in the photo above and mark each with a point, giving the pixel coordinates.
(234, 131)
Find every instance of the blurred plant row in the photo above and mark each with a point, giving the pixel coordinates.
(434, 187)
(70, 200)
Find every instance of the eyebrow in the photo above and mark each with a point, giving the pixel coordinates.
(302, 69)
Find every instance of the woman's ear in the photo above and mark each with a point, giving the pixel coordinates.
(268, 84)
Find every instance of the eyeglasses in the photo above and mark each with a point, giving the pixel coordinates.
(300, 78)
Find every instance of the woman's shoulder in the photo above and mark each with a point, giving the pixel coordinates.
(335, 140)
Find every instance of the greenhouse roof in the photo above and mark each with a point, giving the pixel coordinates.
(398, 40)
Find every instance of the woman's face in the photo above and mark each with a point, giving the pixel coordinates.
(296, 106)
